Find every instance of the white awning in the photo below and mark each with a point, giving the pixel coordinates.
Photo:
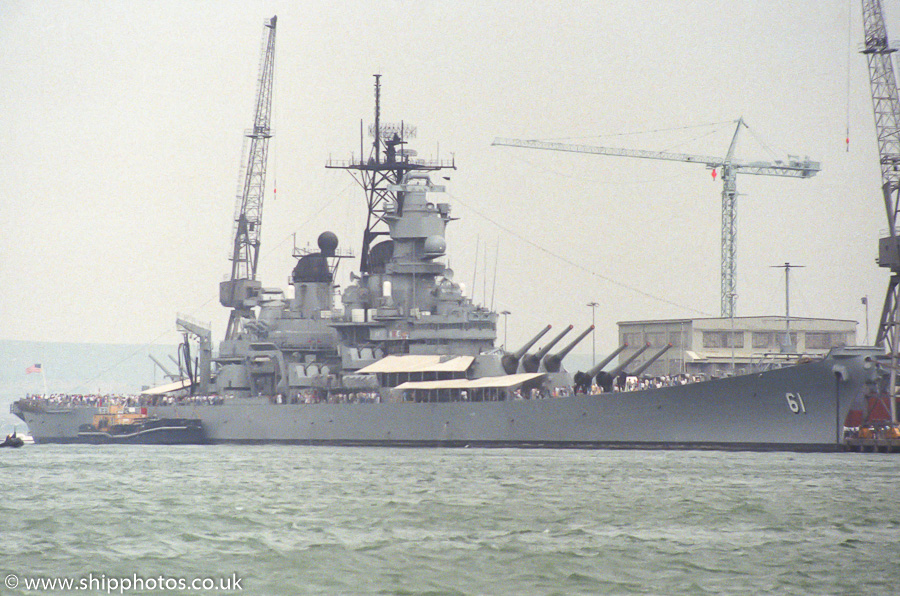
(501, 382)
(419, 364)
(169, 388)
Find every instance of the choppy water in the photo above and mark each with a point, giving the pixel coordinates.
(315, 520)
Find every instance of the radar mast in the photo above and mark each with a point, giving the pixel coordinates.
(388, 162)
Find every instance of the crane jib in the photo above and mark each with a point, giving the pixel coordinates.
(791, 168)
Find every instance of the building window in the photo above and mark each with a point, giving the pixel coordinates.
(824, 341)
(781, 337)
(763, 339)
(713, 339)
(633, 339)
(818, 341)
(723, 339)
(657, 339)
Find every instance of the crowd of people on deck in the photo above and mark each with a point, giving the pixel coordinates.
(640, 384)
(310, 396)
(69, 400)
(64, 400)
(169, 400)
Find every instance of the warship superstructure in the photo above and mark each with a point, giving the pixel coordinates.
(404, 357)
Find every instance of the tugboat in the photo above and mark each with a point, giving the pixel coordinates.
(13, 441)
(123, 424)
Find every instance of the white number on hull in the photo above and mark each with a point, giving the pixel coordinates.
(795, 403)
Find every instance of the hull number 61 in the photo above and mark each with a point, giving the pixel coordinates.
(795, 403)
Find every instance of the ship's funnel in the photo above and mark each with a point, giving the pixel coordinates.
(553, 362)
(510, 362)
(532, 362)
(649, 362)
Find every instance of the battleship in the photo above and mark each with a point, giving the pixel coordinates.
(402, 357)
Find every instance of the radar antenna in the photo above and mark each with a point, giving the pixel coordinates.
(387, 164)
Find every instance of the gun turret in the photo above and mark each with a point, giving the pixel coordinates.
(510, 362)
(532, 362)
(553, 362)
(652, 359)
(605, 379)
(583, 380)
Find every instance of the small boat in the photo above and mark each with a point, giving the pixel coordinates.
(132, 425)
(12, 441)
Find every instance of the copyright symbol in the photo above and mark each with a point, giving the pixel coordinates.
(12, 581)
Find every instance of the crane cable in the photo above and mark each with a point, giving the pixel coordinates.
(849, 60)
(574, 264)
(638, 132)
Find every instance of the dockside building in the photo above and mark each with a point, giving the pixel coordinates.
(718, 347)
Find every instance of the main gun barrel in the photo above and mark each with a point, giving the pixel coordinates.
(532, 362)
(614, 372)
(553, 362)
(604, 380)
(510, 362)
(599, 366)
(652, 359)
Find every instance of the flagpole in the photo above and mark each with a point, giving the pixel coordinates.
(44, 378)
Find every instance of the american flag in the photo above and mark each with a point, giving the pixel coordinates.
(36, 368)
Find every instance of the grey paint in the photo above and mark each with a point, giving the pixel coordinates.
(752, 411)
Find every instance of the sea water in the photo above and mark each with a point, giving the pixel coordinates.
(274, 520)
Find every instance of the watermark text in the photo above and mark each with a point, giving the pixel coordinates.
(106, 584)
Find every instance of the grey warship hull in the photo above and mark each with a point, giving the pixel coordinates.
(800, 407)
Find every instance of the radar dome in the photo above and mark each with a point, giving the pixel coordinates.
(435, 246)
(328, 242)
(312, 269)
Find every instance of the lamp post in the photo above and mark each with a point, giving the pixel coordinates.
(865, 302)
(505, 314)
(789, 346)
(593, 306)
(733, 298)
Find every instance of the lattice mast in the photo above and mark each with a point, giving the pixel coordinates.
(729, 167)
(887, 129)
(729, 228)
(388, 162)
(240, 291)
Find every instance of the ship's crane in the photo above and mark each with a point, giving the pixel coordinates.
(239, 293)
(729, 169)
(887, 128)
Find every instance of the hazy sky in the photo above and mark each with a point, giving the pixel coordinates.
(122, 130)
